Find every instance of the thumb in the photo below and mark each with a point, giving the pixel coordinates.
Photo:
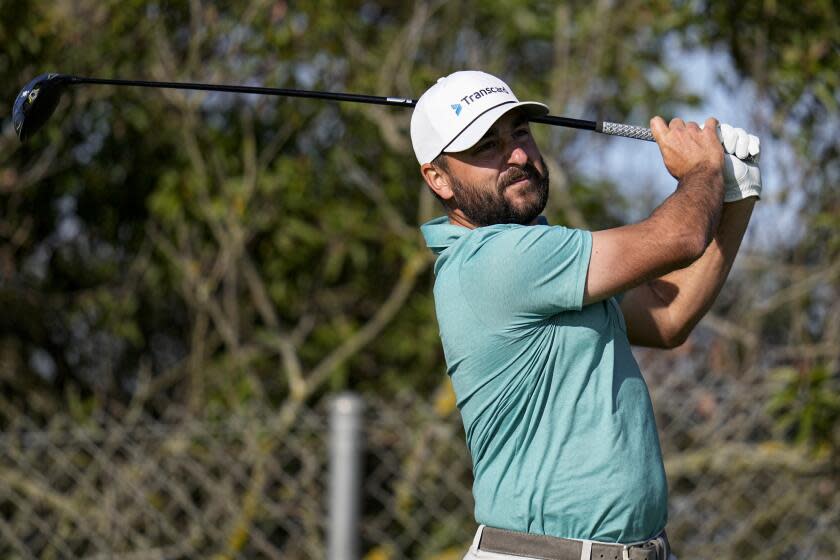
(710, 127)
(658, 128)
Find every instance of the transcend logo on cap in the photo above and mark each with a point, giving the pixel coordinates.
(482, 92)
(457, 108)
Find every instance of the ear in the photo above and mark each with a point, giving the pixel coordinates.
(437, 180)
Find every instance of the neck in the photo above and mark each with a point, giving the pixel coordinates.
(458, 218)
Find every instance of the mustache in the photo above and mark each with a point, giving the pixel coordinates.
(516, 174)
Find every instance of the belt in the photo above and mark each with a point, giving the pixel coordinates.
(554, 548)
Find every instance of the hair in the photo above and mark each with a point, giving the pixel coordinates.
(440, 161)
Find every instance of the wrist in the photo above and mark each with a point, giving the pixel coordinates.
(736, 195)
(706, 173)
(746, 202)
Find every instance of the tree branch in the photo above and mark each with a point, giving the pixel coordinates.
(399, 294)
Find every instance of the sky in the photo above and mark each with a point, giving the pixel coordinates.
(774, 219)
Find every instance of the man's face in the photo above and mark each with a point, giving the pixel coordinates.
(503, 178)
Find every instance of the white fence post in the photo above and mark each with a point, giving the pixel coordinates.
(345, 477)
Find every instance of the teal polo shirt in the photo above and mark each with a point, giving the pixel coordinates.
(557, 415)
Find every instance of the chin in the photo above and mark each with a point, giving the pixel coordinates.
(531, 203)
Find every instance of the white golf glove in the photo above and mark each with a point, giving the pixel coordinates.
(741, 176)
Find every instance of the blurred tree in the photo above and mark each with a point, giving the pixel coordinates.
(790, 54)
(169, 249)
(234, 248)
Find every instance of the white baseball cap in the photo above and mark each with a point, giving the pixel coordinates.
(459, 109)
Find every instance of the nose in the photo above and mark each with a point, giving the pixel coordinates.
(517, 156)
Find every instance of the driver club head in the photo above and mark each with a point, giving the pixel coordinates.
(36, 102)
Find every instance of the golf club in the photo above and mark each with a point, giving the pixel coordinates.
(37, 101)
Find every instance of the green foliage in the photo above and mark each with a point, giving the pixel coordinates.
(237, 247)
(791, 54)
(210, 227)
(807, 407)
(221, 252)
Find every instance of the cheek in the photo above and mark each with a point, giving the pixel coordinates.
(534, 155)
(485, 181)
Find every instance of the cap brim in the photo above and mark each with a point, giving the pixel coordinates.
(476, 130)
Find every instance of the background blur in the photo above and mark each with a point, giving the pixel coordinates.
(186, 278)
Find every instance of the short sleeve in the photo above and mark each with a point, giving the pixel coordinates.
(528, 272)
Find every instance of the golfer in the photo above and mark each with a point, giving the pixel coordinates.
(537, 320)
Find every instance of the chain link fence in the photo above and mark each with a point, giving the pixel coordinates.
(254, 485)
(238, 486)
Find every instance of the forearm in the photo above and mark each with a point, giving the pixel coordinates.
(694, 209)
(675, 235)
(690, 292)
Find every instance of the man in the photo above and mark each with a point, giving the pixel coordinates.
(536, 321)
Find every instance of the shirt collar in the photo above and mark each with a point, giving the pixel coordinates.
(440, 234)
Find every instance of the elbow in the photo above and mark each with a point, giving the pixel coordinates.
(664, 336)
(662, 339)
(675, 339)
(690, 246)
(677, 330)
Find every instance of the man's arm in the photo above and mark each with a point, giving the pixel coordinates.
(678, 232)
(663, 311)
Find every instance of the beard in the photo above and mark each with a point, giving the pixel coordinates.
(485, 205)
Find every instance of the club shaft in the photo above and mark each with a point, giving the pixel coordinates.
(331, 96)
(613, 129)
(566, 122)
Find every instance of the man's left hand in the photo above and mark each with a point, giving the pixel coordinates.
(741, 176)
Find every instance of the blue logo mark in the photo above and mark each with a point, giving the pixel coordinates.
(457, 108)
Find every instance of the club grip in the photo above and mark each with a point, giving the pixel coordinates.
(626, 130)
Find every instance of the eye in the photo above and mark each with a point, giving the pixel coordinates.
(522, 132)
(485, 146)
